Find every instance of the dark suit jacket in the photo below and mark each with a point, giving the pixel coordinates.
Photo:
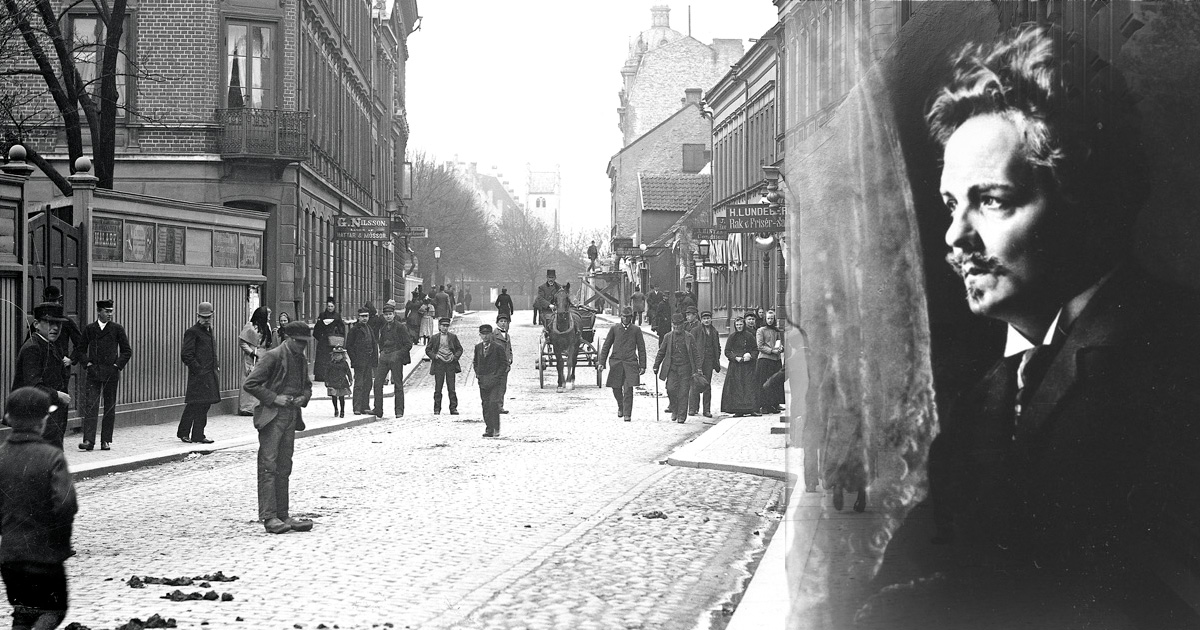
(1105, 460)
(267, 380)
(490, 368)
(362, 347)
(39, 364)
(394, 337)
(199, 354)
(628, 351)
(431, 350)
(103, 353)
(662, 361)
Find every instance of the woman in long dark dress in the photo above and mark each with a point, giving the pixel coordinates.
(329, 324)
(739, 395)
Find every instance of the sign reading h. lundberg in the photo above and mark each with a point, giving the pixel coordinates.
(752, 217)
(362, 229)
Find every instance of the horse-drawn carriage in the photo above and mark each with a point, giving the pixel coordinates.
(568, 341)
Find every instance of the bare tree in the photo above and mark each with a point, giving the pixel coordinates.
(526, 245)
(456, 220)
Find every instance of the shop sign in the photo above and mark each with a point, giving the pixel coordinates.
(362, 229)
(742, 218)
(709, 234)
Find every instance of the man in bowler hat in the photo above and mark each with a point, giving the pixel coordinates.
(69, 337)
(491, 364)
(199, 354)
(443, 351)
(104, 352)
(627, 361)
(40, 364)
(678, 363)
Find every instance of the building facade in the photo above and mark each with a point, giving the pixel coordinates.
(543, 195)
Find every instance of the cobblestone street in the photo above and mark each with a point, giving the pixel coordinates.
(567, 521)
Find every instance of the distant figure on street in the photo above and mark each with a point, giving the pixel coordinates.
(412, 318)
(593, 253)
(40, 364)
(491, 364)
(545, 297)
(338, 381)
(444, 351)
(364, 356)
(441, 303)
(104, 352)
(504, 303)
(678, 363)
(280, 383)
(500, 334)
(739, 396)
(254, 341)
(199, 354)
(453, 298)
(638, 302)
(625, 350)
(418, 294)
(661, 321)
(428, 321)
(709, 341)
(770, 362)
(37, 513)
(467, 299)
(329, 324)
(394, 347)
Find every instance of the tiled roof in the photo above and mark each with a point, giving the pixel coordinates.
(672, 192)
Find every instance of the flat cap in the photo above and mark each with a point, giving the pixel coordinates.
(677, 318)
(297, 330)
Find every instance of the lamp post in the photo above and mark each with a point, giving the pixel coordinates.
(437, 265)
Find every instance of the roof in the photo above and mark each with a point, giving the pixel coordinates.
(654, 130)
(543, 183)
(696, 216)
(672, 192)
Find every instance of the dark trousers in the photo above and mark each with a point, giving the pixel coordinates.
(695, 396)
(56, 426)
(678, 388)
(624, 396)
(95, 390)
(438, 379)
(363, 381)
(490, 396)
(503, 390)
(276, 443)
(396, 369)
(193, 421)
(37, 592)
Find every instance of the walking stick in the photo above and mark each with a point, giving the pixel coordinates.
(656, 418)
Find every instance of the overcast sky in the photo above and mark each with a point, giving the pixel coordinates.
(506, 83)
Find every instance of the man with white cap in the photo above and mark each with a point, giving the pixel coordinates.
(199, 354)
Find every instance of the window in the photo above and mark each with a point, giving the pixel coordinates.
(695, 157)
(249, 65)
(87, 36)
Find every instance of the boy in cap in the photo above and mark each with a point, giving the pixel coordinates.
(444, 351)
(280, 383)
(491, 364)
(501, 336)
(37, 512)
(104, 352)
(394, 347)
(40, 364)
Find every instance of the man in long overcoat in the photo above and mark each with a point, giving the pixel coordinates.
(709, 342)
(441, 303)
(545, 296)
(363, 349)
(199, 354)
(504, 303)
(625, 350)
(280, 383)
(678, 363)
(104, 352)
(40, 365)
(443, 351)
(491, 364)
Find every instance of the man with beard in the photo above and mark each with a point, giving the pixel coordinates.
(1061, 483)
(199, 354)
(40, 365)
(627, 346)
(678, 363)
(545, 297)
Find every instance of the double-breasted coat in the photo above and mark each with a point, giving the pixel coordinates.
(625, 351)
(199, 354)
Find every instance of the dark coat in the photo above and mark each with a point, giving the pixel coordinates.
(431, 350)
(661, 318)
(267, 380)
(37, 500)
(441, 304)
(199, 354)
(739, 394)
(490, 368)
(662, 361)
(627, 358)
(338, 376)
(39, 364)
(361, 346)
(393, 337)
(504, 304)
(321, 333)
(545, 294)
(709, 341)
(103, 353)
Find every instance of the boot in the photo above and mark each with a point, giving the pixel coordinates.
(860, 503)
(838, 499)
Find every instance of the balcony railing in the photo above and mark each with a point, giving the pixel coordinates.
(262, 133)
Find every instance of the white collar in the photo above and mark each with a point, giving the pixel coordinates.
(1017, 343)
(101, 324)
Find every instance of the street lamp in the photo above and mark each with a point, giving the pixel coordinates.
(437, 265)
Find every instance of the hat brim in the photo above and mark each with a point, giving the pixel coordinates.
(51, 318)
(301, 337)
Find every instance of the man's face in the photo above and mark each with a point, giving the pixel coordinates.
(389, 316)
(486, 337)
(297, 345)
(105, 315)
(1002, 234)
(706, 320)
(205, 320)
(49, 329)
(444, 327)
(691, 317)
(676, 327)
(363, 317)
(502, 325)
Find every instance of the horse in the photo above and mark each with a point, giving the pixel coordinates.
(563, 331)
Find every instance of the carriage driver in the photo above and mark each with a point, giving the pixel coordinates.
(545, 297)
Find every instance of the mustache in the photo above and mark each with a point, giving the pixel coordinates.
(973, 261)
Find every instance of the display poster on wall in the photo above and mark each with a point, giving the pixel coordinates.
(106, 239)
(199, 247)
(170, 244)
(139, 242)
(225, 249)
(251, 252)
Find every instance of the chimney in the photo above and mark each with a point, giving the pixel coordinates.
(660, 16)
(691, 96)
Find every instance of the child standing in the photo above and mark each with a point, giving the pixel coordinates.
(338, 380)
(37, 511)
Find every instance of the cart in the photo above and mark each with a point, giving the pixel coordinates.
(586, 354)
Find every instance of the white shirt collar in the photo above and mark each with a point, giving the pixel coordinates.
(1017, 343)
(101, 324)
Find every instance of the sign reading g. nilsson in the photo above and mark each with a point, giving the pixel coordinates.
(752, 217)
(361, 229)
